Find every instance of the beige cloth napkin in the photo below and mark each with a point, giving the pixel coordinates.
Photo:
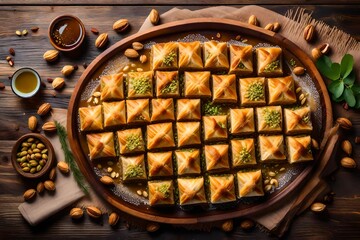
(67, 190)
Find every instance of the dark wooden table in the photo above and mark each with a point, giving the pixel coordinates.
(343, 218)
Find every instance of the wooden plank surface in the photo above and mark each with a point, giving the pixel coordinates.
(342, 220)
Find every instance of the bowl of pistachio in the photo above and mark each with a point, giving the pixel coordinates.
(33, 155)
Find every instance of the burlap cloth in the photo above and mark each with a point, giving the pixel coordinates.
(278, 219)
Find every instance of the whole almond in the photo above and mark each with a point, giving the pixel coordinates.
(154, 17)
(49, 126)
(101, 40)
(277, 27)
(93, 212)
(131, 53)
(121, 25)
(29, 194)
(40, 187)
(12, 51)
(269, 27)
(143, 58)
(227, 226)
(309, 33)
(247, 224)
(76, 213)
(51, 55)
(344, 123)
(152, 227)
(318, 207)
(94, 31)
(324, 48)
(347, 162)
(253, 20)
(113, 219)
(107, 180)
(316, 53)
(137, 46)
(52, 174)
(34, 29)
(346, 147)
(67, 70)
(32, 123)
(63, 167)
(58, 83)
(357, 140)
(49, 185)
(315, 144)
(299, 71)
(44, 109)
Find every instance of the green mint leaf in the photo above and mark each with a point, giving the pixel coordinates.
(350, 79)
(325, 69)
(339, 99)
(336, 69)
(347, 63)
(349, 97)
(336, 88)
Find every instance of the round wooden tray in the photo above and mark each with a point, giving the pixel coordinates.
(192, 26)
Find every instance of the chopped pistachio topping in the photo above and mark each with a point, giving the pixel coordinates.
(169, 59)
(164, 190)
(241, 66)
(255, 91)
(133, 171)
(244, 156)
(211, 109)
(272, 66)
(171, 87)
(141, 85)
(292, 62)
(306, 118)
(133, 142)
(272, 118)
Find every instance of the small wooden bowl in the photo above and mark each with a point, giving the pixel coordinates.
(49, 163)
(63, 18)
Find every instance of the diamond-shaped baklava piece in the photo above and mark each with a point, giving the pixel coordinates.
(297, 120)
(281, 91)
(188, 109)
(269, 119)
(222, 188)
(272, 148)
(133, 168)
(197, 84)
(101, 145)
(112, 87)
(162, 109)
(224, 88)
(241, 60)
(252, 91)
(250, 184)
(188, 133)
(190, 55)
(165, 56)
(160, 135)
(188, 161)
(114, 113)
(130, 141)
(161, 192)
(167, 84)
(215, 55)
(160, 164)
(215, 128)
(242, 121)
(269, 62)
(140, 84)
(191, 191)
(299, 149)
(137, 111)
(243, 152)
(217, 157)
(91, 118)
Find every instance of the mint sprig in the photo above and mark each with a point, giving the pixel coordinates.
(343, 86)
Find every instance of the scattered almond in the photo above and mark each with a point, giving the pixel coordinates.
(58, 83)
(63, 167)
(152, 227)
(143, 59)
(131, 53)
(67, 70)
(17, 32)
(101, 40)
(93, 212)
(299, 71)
(107, 180)
(51, 55)
(277, 27)
(227, 226)
(113, 219)
(32, 123)
(49, 185)
(357, 140)
(324, 48)
(253, 20)
(2, 85)
(269, 27)
(347, 162)
(44, 109)
(316, 53)
(34, 29)
(315, 144)
(344, 123)
(137, 46)
(52, 174)
(40, 187)
(247, 224)
(318, 207)
(10, 61)
(309, 33)
(12, 51)
(94, 31)
(238, 37)
(49, 126)
(29, 194)
(121, 25)
(154, 17)
(76, 213)
(346, 147)
(24, 32)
